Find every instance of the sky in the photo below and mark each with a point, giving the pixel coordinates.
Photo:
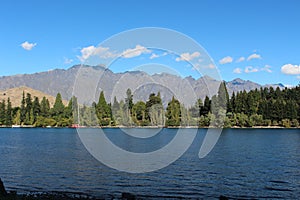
(255, 40)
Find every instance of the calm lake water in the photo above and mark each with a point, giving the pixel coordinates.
(245, 163)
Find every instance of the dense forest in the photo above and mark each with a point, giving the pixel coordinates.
(259, 107)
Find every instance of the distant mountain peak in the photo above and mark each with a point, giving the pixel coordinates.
(281, 85)
(96, 67)
(190, 78)
(238, 81)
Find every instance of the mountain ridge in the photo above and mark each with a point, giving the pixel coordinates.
(113, 84)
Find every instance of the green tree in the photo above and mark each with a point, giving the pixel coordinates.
(122, 117)
(36, 108)
(58, 107)
(115, 105)
(103, 111)
(127, 109)
(195, 111)
(173, 113)
(17, 115)
(242, 119)
(28, 108)
(8, 113)
(2, 113)
(286, 123)
(139, 113)
(71, 111)
(45, 107)
(23, 109)
(250, 105)
(129, 101)
(256, 119)
(186, 117)
(231, 107)
(263, 109)
(291, 108)
(223, 96)
(241, 102)
(155, 110)
(206, 106)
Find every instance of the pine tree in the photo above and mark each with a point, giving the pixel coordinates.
(129, 101)
(36, 108)
(250, 105)
(28, 108)
(2, 113)
(23, 109)
(173, 113)
(232, 106)
(115, 109)
(154, 109)
(291, 109)
(197, 108)
(71, 107)
(58, 107)
(206, 106)
(223, 96)
(103, 111)
(8, 120)
(45, 107)
(116, 105)
(139, 112)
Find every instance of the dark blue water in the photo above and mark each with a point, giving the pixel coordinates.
(245, 163)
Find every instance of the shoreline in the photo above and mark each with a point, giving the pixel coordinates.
(153, 127)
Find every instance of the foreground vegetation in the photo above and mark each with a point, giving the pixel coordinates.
(259, 107)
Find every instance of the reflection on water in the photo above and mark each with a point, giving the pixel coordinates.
(245, 163)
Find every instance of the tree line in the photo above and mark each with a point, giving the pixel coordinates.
(259, 107)
(33, 112)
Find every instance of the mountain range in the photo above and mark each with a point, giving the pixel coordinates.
(86, 82)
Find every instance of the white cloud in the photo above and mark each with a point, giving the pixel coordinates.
(226, 60)
(250, 69)
(237, 71)
(188, 56)
(67, 60)
(105, 52)
(254, 56)
(210, 66)
(28, 46)
(200, 60)
(241, 59)
(153, 55)
(102, 52)
(137, 51)
(290, 69)
(267, 68)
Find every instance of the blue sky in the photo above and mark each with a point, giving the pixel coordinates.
(253, 40)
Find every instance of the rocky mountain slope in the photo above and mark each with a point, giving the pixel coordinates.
(86, 82)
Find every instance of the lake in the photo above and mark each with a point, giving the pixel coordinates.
(245, 163)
